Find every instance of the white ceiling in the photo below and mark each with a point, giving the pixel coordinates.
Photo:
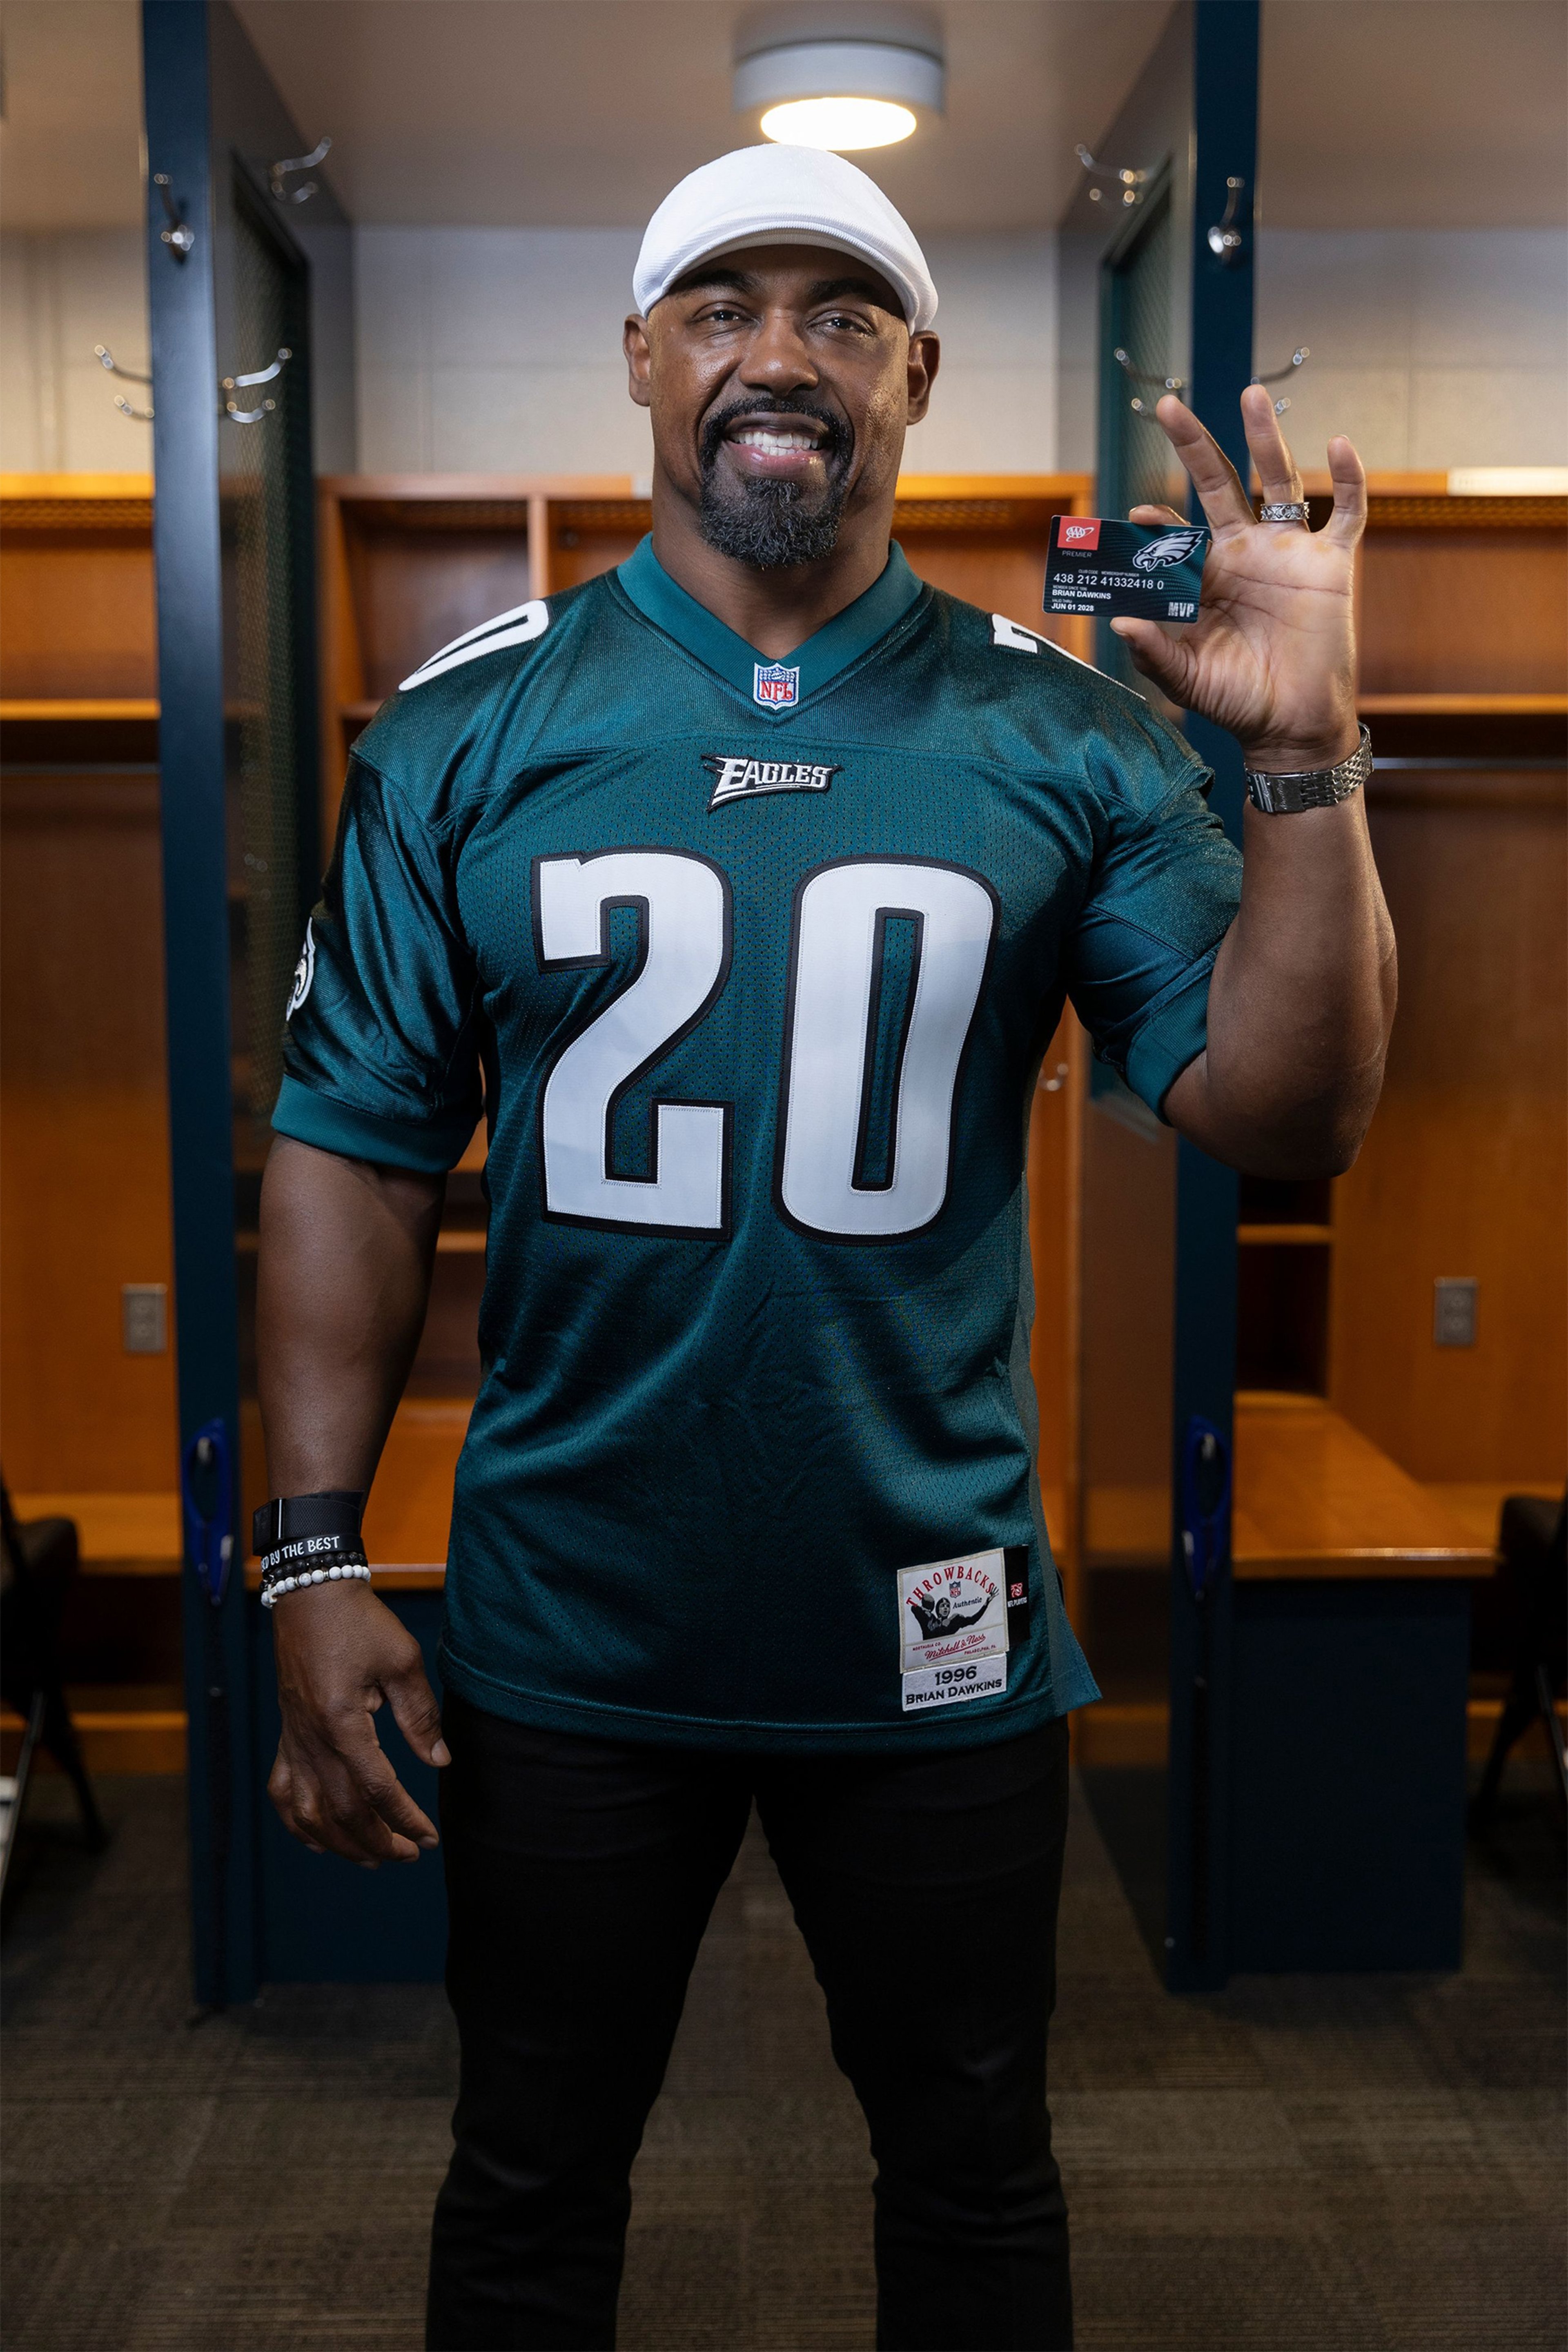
(1415, 114)
(586, 113)
(582, 113)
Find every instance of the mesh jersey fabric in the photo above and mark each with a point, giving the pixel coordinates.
(757, 1071)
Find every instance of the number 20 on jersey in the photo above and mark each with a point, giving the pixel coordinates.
(833, 1021)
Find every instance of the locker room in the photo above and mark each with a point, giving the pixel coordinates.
(868, 1768)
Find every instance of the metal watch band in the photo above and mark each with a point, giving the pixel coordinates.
(1311, 787)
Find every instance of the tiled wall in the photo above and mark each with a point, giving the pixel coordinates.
(500, 350)
(1430, 347)
(994, 407)
(60, 294)
(495, 351)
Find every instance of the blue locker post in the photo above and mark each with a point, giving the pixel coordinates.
(1224, 133)
(181, 288)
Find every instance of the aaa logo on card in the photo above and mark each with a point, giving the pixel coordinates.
(1077, 530)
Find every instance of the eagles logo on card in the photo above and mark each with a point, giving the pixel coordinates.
(773, 685)
(1103, 567)
(740, 779)
(1174, 548)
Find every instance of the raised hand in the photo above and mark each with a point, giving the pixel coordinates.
(1271, 656)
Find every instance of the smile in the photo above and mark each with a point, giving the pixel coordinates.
(773, 442)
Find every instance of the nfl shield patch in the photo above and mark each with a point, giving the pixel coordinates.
(775, 686)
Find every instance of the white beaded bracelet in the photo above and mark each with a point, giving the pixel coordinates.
(342, 1573)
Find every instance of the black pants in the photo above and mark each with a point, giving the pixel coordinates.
(581, 1874)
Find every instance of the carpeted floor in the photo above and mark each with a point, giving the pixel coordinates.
(1300, 2165)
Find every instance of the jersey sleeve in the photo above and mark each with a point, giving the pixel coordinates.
(382, 1055)
(1165, 892)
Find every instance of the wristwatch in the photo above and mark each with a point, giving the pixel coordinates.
(1311, 787)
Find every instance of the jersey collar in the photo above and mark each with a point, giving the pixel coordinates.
(772, 688)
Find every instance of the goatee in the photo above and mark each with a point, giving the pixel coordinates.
(773, 525)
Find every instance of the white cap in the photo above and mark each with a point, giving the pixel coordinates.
(778, 194)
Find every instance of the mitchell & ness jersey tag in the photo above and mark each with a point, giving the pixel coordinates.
(952, 1630)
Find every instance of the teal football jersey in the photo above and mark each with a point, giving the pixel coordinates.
(750, 966)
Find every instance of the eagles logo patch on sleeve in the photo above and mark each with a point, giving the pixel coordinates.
(304, 973)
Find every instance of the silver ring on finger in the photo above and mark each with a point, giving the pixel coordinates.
(1283, 510)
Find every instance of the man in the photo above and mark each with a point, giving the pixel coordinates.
(751, 879)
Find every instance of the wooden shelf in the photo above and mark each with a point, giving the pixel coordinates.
(1138, 1731)
(1462, 706)
(120, 1534)
(1476, 1504)
(107, 709)
(74, 709)
(137, 1739)
(79, 489)
(1127, 1526)
(1294, 1237)
(452, 1241)
(409, 1516)
(1316, 1498)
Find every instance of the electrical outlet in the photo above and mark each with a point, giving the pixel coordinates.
(144, 1318)
(1454, 1311)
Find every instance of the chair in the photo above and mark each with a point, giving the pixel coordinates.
(38, 1562)
(1532, 1547)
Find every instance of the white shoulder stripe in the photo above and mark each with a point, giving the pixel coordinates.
(532, 619)
(1004, 632)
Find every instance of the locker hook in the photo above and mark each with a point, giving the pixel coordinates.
(232, 384)
(278, 172)
(1225, 237)
(1131, 182)
(1141, 375)
(1205, 1502)
(110, 366)
(208, 1532)
(1301, 353)
(179, 235)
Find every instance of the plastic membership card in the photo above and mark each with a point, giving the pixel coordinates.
(1125, 567)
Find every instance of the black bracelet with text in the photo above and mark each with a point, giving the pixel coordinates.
(303, 1539)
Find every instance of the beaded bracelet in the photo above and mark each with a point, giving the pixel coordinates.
(343, 1570)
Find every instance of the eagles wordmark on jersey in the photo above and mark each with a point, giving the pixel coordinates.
(750, 976)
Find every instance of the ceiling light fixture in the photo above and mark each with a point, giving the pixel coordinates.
(840, 94)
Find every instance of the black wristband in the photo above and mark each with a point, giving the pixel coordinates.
(296, 1519)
